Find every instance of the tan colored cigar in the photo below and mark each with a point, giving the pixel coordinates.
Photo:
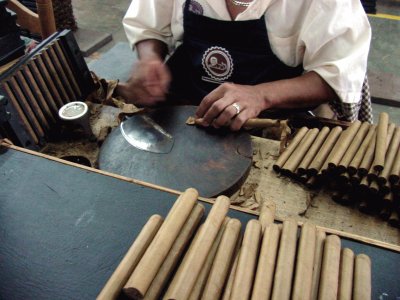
(174, 255)
(329, 282)
(353, 148)
(362, 278)
(356, 161)
(313, 150)
(326, 148)
(374, 187)
(380, 146)
(125, 268)
(388, 198)
(232, 273)
(262, 288)
(342, 144)
(289, 150)
(385, 212)
(285, 265)
(304, 263)
(267, 213)
(186, 276)
(252, 123)
(247, 263)
(346, 274)
(206, 268)
(390, 156)
(394, 219)
(149, 265)
(302, 149)
(318, 254)
(394, 176)
(368, 158)
(223, 261)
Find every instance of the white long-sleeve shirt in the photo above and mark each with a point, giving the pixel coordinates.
(330, 37)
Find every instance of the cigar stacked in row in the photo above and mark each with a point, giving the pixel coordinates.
(179, 258)
(361, 164)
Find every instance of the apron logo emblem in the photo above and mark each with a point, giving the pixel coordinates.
(218, 64)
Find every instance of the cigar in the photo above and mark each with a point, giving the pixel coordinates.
(301, 151)
(368, 158)
(289, 150)
(328, 287)
(390, 155)
(223, 261)
(362, 278)
(247, 263)
(342, 145)
(353, 148)
(266, 263)
(394, 176)
(394, 219)
(174, 255)
(318, 162)
(232, 273)
(284, 268)
(201, 280)
(186, 276)
(317, 264)
(267, 214)
(250, 123)
(305, 260)
(113, 287)
(346, 274)
(149, 265)
(356, 161)
(385, 212)
(380, 146)
(312, 152)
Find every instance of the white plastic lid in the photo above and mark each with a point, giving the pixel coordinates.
(73, 110)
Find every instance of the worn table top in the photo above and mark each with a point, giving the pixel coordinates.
(64, 229)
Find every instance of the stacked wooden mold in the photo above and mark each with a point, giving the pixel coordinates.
(361, 164)
(270, 262)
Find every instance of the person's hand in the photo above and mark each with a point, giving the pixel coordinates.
(148, 83)
(230, 105)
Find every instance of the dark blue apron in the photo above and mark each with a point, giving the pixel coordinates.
(215, 51)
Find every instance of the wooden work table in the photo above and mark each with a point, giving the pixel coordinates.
(64, 228)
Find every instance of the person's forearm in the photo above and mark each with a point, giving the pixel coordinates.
(307, 90)
(151, 49)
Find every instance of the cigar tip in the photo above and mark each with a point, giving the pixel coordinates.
(192, 191)
(133, 293)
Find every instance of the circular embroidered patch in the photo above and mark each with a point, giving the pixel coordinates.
(195, 7)
(217, 62)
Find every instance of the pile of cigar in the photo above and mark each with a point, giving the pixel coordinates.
(361, 165)
(179, 258)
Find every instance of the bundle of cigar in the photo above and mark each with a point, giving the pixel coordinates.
(179, 258)
(361, 164)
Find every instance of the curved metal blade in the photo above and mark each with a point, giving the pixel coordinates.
(145, 134)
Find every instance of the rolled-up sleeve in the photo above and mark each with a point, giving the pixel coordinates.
(148, 19)
(336, 36)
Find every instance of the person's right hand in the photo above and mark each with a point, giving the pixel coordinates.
(148, 83)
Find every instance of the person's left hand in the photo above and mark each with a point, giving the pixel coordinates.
(218, 107)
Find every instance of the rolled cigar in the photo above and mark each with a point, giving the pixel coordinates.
(364, 184)
(317, 163)
(385, 212)
(301, 151)
(390, 155)
(362, 278)
(267, 213)
(342, 145)
(174, 255)
(384, 189)
(284, 268)
(374, 187)
(289, 150)
(305, 260)
(356, 161)
(388, 198)
(113, 287)
(149, 265)
(328, 287)
(252, 123)
(394, 219)
(232, 273)
(206, 268)
(380, 146)
(353, 148)
(313, 150)
(368, 158)
(318, 254)
(346, 274)
(247, 263)
(355, 179)
(223, 261)
(262, 288)
(186, 276)
(394, 176)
